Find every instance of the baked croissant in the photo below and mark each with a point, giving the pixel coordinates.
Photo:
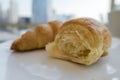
(82, 40)
(38, 37)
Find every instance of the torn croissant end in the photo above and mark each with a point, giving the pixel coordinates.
(37, 38)
(82, 40)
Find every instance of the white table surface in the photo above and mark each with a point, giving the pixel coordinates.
(38, 65)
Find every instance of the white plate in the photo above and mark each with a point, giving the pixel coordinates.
(38, 65)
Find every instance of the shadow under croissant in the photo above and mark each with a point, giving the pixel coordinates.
(24, 51)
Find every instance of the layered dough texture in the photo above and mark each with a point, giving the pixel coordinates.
(82, 40)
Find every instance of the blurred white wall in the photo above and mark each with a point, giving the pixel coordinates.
(114, 19)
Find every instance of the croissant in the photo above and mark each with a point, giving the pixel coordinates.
(38, 37)
(82, 40)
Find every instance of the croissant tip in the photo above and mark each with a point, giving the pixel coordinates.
(105, 54)
(14, 46)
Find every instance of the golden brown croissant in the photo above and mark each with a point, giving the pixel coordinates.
(82, 40)
(37, 38)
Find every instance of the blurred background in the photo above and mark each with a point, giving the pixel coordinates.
(19, 16)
